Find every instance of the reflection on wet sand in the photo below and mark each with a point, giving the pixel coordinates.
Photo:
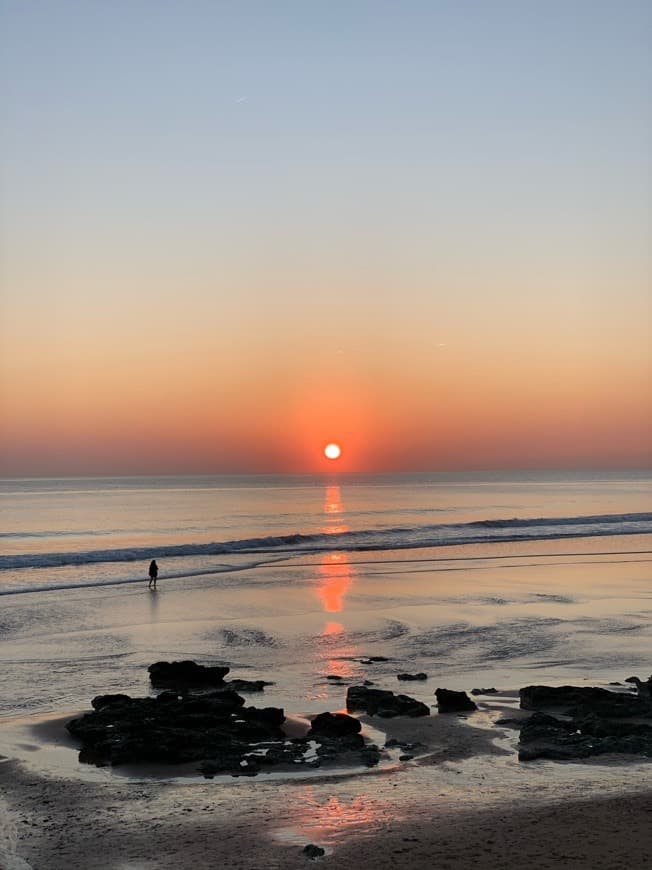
(331, 819)
(336, 577)
(336, 652)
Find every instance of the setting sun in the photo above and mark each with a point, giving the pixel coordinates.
(332, 451)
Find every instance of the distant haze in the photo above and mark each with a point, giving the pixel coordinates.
(234, 232)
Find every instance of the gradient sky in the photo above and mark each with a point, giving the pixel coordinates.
(234, 231)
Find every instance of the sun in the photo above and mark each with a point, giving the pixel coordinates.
(332, 451)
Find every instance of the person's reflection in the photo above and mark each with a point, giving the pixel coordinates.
(153, 604)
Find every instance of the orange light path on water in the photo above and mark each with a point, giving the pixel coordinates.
(335, 579)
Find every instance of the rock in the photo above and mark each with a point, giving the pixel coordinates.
(644, 689)
(449, 701)
(370, 755)
(186, 673)
(334, 677)
(581, 700)
(379, 702)
(248, 685)
(593, 721)
(108, 700)
(405, 757)
(372, 659)
(484, 691)
(312, 851)
(334, 725)
(545, 736)
(419, 676)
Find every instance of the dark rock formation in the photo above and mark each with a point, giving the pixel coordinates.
(545, 736)
(581, 700)
(419, 676)
(247, 685)
(334, 725)
(212, 727)
(185, 673)
(370, 660)
(379, 702)
(644, 689)
(453, 702)
(100, 701)
(484, 691)
(589, 721)
(312, 851)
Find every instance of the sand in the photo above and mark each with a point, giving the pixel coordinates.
(463, 801)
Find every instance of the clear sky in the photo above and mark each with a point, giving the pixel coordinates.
(234, 231)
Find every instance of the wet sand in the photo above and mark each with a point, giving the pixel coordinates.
(463, 801)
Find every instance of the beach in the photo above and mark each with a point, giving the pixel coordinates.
(465, 808)
(314, 620)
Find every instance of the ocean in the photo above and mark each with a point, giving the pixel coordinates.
(468, 577)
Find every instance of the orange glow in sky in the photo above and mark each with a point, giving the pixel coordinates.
(220, 284)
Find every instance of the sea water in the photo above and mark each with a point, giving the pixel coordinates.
(299, 580)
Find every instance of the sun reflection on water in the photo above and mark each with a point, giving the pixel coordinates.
(335, 578)
(335, 570)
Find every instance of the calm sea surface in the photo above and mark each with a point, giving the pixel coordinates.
(91, 531)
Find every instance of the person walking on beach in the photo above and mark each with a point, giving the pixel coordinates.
(153, 574)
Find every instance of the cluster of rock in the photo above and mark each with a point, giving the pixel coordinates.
(188, 674)
(200, 718)
(382, 702)
(573, 722)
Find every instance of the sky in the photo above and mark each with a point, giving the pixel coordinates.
(232, 232)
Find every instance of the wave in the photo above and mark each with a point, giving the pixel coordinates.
(401, 538)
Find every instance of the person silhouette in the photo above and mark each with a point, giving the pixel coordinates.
(153, 574)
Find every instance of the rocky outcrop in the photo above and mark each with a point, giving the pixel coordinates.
(406, 677)
(213, 728)
(545, 736)
(582, 700)
(380, 702)
(334, 725)
(588, 721)
(100, 701)
(449, 701)
(247, 685)
(644, 689)
(185, 673)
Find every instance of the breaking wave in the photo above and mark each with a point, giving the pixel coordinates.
(411, 537)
